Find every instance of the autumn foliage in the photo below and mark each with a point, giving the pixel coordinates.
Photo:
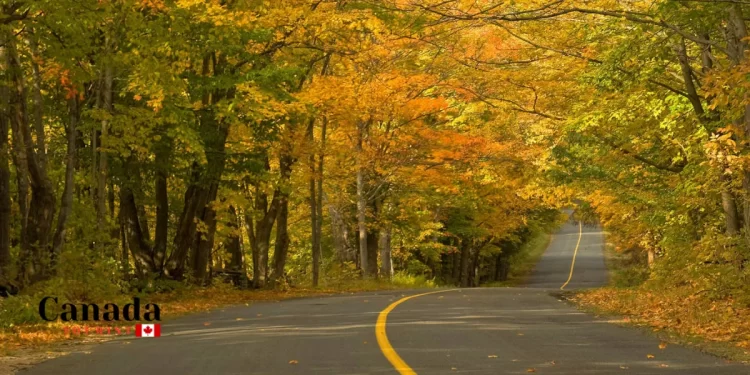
(148, 145)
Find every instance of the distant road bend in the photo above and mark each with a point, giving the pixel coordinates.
(457, 331)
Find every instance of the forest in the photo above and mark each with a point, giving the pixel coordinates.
(272, 144)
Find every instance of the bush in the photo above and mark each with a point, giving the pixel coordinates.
(16, 310)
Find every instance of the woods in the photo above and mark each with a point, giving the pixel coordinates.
(276, 143)
(286, 143)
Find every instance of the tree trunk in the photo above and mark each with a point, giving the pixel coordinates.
(234, 246)
(282, 227)
(38, 104)
(5, 202)
(314, 203)
(373, 237)
(319, 223)
(386, 263)
(101, 169)
(261, 235)
(66, 204)
(456, 269)
(185, 233)
(162, 208)
(144, 265)
(465, 255)
(502, 267)
(204, 241)
(42, 204)
(344, 252)
(361, 204)
(205, 180)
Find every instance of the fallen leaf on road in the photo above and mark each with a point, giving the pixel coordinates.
(293, 362)
(649, 356)
(520, 334)
(207, 324)
(663, 345)
(492, 356)
(624, 367)
(238, 319)
(259, 315)
(453, 369)
(552, 363)
(364, 342)
(663, 365)
(530, 370)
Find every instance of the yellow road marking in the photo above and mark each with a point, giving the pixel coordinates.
(573, 264)
(385, 345)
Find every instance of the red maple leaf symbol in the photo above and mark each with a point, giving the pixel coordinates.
(147, 330)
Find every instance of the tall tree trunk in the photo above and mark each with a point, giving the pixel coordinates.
(502, 267)
(185, 233)
(66, 204)
(144, 264)
(386, 263)
(162, 207)
(261, 235)
(456, 269)
(5, 202)
(373, 237)
(42, 204)
(101, 169)
(125, 255)
(361, 203)
(205, 180)
(38, 105)
(234, 246)
(465, 255)
(343, 249)
(282, 226)
(205, 240)
(319, 214)
(314, 203)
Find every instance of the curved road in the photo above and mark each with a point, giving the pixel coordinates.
(468, 331)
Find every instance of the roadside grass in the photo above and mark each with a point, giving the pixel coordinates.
(523, 262)
(675, 314)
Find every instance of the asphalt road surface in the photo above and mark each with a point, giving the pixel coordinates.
(467, 331)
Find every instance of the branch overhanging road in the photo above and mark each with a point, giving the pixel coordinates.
(464, 331)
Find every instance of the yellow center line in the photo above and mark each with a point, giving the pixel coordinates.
(573, 264)
(385, 345)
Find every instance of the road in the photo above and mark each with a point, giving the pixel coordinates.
(466, 331)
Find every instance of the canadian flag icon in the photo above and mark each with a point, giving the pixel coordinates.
(148, 330)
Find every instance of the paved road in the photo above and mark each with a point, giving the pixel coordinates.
(469, 331)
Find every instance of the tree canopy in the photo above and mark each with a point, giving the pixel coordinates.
(281, 142)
